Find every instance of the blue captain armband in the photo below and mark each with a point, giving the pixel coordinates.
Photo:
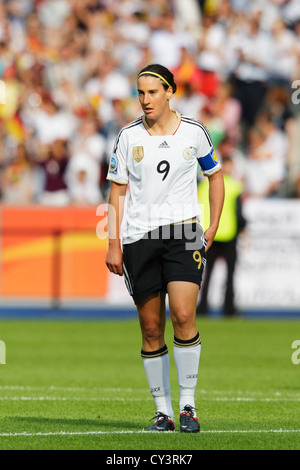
(209, 163)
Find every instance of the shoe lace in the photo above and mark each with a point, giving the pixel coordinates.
(189, 410)
(159, 415)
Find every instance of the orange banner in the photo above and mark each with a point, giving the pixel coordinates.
(51, 252)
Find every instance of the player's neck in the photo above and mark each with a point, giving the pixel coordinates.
(165, 125)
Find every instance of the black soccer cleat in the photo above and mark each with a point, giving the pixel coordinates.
(162, 423)
(188, 420)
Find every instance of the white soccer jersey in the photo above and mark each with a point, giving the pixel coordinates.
(161, 172)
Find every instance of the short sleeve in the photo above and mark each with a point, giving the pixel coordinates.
(207, 157)
(117, 170)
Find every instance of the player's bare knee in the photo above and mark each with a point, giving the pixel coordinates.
(183, 321)
(182, 317)
(151, 333)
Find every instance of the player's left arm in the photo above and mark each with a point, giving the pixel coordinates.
(114, 256)
(211, 168)
(216, 200)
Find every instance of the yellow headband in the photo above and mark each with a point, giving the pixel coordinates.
(156, 74)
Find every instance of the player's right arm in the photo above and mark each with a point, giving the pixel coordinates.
(114, 256)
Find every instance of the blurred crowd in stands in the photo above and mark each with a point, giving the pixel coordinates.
(70, 66)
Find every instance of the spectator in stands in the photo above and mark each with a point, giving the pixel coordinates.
(18, 178)
(82, 188)
(106, 84)
(190, 103)
(283, 51)
(50, 123)
(134, 33)
(210, 57)
(229, 110)
(188, 72)
(13, 91)
(88, 140)
(266, 163)
(87, 158)
(54, 161)
(214, 123)
(253, 70)
(167, 41)
(67, 68)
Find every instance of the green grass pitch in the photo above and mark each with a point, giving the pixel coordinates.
(81, 385)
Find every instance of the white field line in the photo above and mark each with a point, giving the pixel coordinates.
(72, 399)
(234, 393)
(209, 431)
(111, 399)
(67, 389)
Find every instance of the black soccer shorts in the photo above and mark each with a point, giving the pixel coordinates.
(170, 253)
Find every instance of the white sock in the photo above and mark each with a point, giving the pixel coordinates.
(157, 368)
(187, 356)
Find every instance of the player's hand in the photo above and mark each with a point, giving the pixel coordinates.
(209, 235)
(114, 260)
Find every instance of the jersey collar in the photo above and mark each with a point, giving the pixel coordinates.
(178, 115)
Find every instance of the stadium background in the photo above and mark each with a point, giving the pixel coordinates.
(69, 69)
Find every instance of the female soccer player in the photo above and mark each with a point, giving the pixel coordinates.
(160, 247)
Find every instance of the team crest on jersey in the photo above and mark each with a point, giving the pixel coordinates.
(189, 153)
(138, 153)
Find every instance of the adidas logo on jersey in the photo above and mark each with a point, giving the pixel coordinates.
(164, 145)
